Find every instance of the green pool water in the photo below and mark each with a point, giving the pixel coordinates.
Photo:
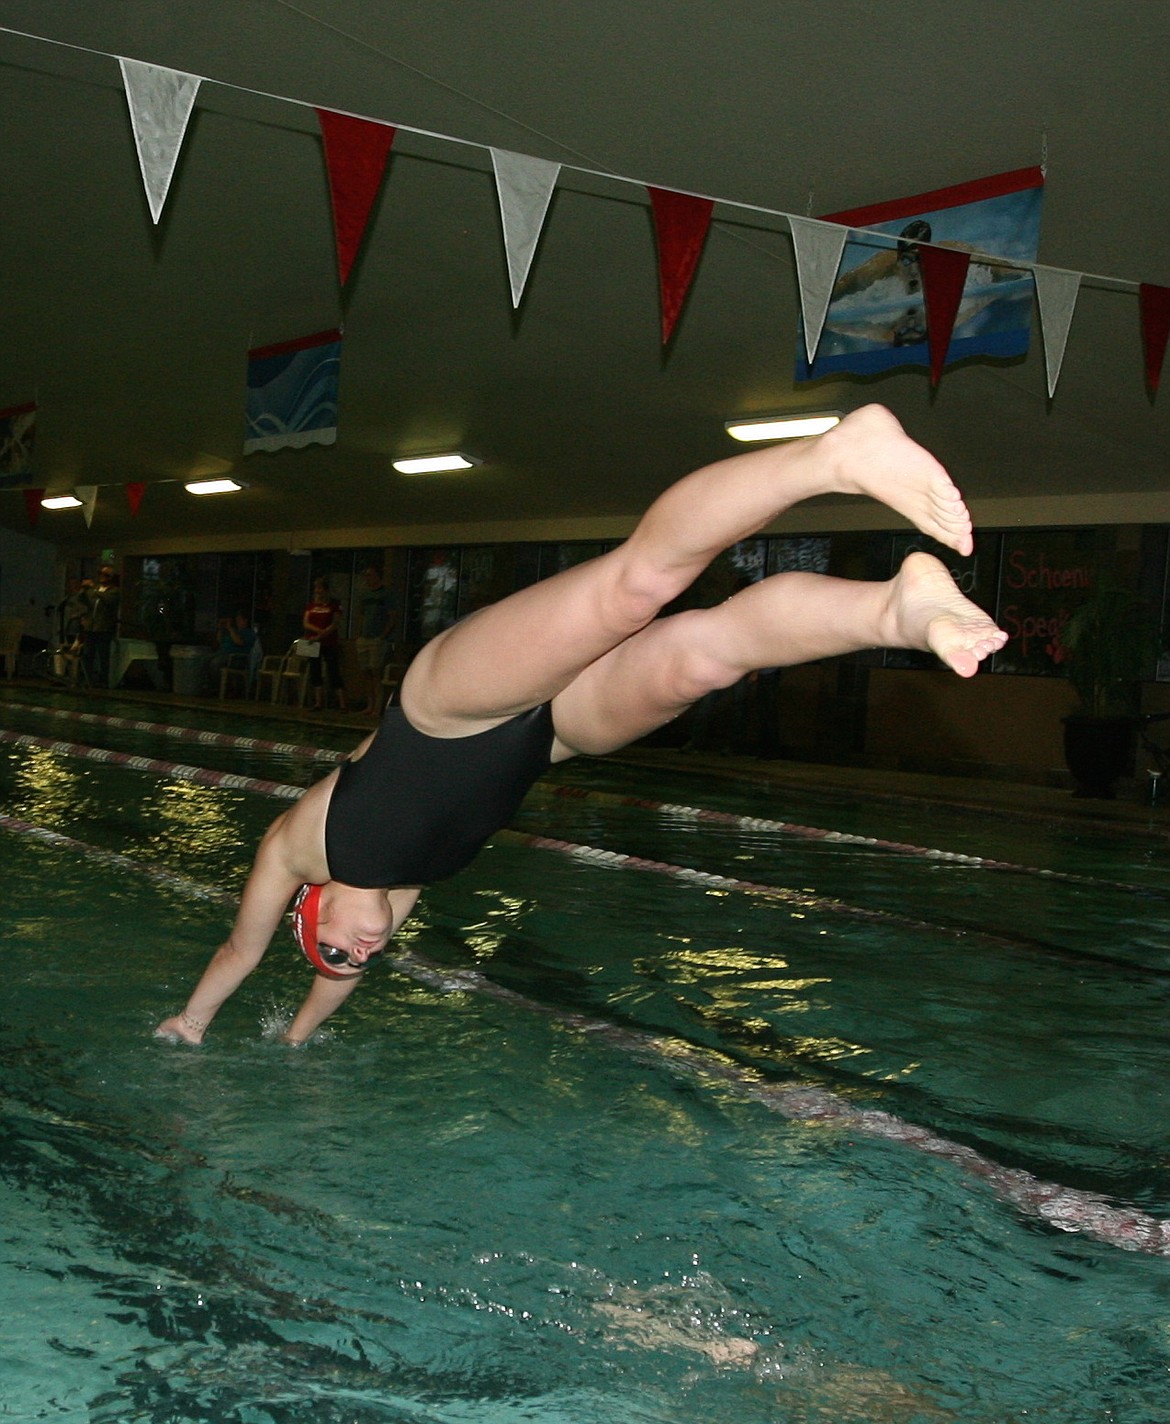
(563, 1175)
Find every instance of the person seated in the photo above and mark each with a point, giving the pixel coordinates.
(237, 638)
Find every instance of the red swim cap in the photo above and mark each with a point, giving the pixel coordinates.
(323, 957)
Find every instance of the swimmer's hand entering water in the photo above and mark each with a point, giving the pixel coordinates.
(182, 1028)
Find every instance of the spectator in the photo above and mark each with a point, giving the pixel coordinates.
(376, 625)
(237, 638)
(99, 626)
(322, 624)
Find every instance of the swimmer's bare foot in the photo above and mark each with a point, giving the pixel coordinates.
(927, 612)
(876, 457)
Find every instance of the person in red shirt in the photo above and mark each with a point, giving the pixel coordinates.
(322, 625)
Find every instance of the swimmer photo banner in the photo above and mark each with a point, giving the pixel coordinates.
(292, 393)
(877, 318)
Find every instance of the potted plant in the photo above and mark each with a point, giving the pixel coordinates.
(1108, 645)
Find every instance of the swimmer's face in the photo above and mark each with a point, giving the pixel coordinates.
(353, 924)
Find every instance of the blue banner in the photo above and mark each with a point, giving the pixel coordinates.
(292, 393)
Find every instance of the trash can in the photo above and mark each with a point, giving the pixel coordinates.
(189, 669)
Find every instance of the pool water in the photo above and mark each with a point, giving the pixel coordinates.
(608, 1142)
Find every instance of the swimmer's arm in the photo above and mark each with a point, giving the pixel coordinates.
(325, 997)
(266, 895)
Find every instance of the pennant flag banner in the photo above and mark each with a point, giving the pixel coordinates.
(160, 103)
(292, 393)
(680, 224)
(87, 494)
(1155, 313)
(18, 428)
(818, 247)
(356, 152)
(944, 275)
(877, 318)
(1056, 296)
(525, 187)
(134, 492)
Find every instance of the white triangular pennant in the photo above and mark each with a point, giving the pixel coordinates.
(818, 246)
(525, 188)
(160, 103)
(1056, 295)
(87, 494)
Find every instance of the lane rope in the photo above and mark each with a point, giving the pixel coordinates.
(799, 899)
(698, 814)
(703, 814)
(189, 734)
(1068, 1209)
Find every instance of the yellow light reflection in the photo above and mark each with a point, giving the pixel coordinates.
(200, 814)
(830, 1049)
(48, 788)
(694, 963)
(483, 946)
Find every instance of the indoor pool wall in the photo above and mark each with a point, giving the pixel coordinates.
(687, 1101)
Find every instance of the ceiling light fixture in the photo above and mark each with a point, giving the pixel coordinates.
(61, 501)
(782, 427)
(436, 464)
(212, 487)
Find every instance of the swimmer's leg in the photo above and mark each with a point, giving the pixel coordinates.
(781, 621)
(527, 648)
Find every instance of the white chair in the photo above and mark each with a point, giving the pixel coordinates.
(268, 677)
(241, 671)
(293, 677)
(11, 631)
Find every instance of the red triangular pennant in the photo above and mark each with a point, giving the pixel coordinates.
(1154, 303)
(134, 492)
(680, 224)
(944, 273)
(32, 503)
(356, 151)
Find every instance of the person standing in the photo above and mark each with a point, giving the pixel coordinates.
(376, 626)
(322, 625)
(100, 626)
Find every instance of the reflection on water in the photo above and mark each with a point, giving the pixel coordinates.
(49, 790)
(198, 818)
(607, 1200)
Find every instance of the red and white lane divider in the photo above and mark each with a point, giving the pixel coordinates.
(176, 771)
(189, 734)
(701, 814)
(1064, 1208)
(801, 900)
(698, 814)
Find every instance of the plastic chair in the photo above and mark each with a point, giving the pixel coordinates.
(236, 674)
(294, 676)
(268, 673)
(241, 670)
(11, 631)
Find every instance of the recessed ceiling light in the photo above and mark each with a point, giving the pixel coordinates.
(212, 487)
(435, 464)
(782, 427)
(61, 501)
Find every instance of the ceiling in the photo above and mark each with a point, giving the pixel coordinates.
(132, 338)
